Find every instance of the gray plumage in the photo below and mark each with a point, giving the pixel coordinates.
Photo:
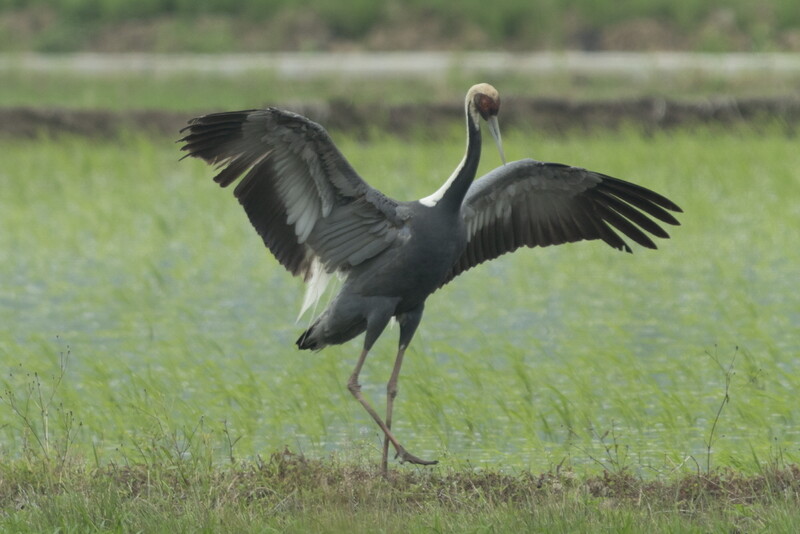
(294, 176)
(318, 217)
(531, 203)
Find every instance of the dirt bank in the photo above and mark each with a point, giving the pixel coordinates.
(552, 116)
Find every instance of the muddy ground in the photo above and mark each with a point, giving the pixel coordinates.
(552, 116)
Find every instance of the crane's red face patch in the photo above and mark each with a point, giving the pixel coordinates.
(486, 105)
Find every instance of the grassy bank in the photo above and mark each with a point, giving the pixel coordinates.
(199, 92)
(288, 493)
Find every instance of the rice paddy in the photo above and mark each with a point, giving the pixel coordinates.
(141, 280)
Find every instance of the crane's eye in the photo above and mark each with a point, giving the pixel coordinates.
(486, 105)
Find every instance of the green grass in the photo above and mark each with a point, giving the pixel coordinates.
(176, 317)
(287, 493)
(142, 283)
(198, 92)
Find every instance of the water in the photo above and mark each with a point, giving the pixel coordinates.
(175, 319)
(370, 65)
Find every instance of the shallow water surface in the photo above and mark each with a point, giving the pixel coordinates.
(180, 327)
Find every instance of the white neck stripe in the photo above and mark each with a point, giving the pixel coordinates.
(431, 200)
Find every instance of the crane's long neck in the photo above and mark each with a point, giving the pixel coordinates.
(451, 194)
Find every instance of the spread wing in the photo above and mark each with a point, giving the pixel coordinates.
(301, 195)
(531, 203)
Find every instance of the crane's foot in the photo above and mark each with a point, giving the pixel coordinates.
(406, 456)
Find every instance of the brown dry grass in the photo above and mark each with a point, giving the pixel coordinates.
(288, 480)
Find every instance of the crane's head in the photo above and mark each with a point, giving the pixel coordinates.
(483, 101)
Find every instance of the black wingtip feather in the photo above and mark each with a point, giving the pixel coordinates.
(642, 193)
(208, 135)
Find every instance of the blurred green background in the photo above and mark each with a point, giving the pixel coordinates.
(322, 25)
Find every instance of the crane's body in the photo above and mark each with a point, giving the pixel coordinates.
(318, 217)
(396, 282)
(430, 237)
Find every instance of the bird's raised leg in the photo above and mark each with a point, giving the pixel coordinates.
(374, 329)
(408, 325)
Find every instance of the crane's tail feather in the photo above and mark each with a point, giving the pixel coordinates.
(318, 279)
(307, 340)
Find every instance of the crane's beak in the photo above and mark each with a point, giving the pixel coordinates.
(494, 129)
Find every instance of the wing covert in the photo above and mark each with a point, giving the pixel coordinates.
(300, 193)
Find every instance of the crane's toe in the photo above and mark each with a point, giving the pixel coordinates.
(406, 456)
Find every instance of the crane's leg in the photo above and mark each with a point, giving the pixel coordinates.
(376, 324)
(408, 325)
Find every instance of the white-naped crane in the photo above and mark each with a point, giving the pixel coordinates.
(318, 217)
